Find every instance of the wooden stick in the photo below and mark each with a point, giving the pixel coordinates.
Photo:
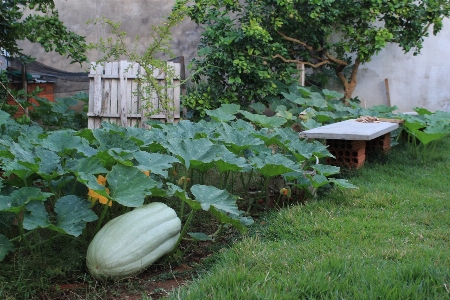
(388, 95)
(301, 68)
(391, 120)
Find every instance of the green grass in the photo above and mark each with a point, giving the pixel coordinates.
(389, 239)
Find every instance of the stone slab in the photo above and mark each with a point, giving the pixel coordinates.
(350, 130)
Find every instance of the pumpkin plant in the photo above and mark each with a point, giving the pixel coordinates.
(62, 180)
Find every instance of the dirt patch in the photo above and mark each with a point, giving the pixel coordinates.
(154, 283)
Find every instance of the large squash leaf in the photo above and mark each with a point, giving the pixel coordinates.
(263, 120)
(63, 141)
(155, 162)
(72, 214)
(237, 140)
(129, 185)
(195, 152)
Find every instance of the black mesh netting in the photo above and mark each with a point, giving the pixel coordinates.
(66, 83)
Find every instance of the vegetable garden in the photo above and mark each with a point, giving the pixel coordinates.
(232, 167)
(66, 190)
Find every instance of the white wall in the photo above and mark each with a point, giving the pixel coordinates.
(414, 81)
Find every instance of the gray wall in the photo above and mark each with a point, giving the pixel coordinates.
(422, 80)
(414, 81)
(136, 16)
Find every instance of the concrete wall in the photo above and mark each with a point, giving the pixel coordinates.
(136, 16)
(422, 80)
(414, 81)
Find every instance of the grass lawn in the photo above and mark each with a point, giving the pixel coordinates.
(388, 239)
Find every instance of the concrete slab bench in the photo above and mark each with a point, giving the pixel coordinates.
(349, 141)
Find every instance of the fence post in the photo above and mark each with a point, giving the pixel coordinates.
(123, 93)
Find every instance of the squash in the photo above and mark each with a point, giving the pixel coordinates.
(131, 242)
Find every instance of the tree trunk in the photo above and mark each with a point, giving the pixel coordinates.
(348, 84)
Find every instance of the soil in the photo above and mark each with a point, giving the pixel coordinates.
(165, 276)
(155, 283)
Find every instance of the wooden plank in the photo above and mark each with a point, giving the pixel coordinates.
(177, 91)
(113, 97)
(111, 115)
(98, 89)
(114, 104)
(123, 100)
(104, 76)
(91, 97)
(106, 101)
(133, 87)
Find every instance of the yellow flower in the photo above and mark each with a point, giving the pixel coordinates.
(183, 179)
(101, 180)
(284, 192)
(146, 173)
(94, 196)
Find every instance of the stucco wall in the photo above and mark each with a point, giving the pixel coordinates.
(136, 16)
(422, 80)
(414, 81)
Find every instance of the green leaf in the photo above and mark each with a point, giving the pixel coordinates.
(18, 199)
(129, 185)
(109, 139)
(35, 216)
(285, 115)
(330, 95)
(174, 190)
(200, 236)
(49, 165)
(229, 161)
(122, 156)
(230, 108)
(317, 180)
(273, 165)
(198, 151)
(422, 111)
(258, 107)
(211, 196)
(88, 165)
(219, 115)
(263, 120)
(226, 219)
(317, 100)
(156, 163)
(305, 150)
(63, 141)
(72, 214)
(295, 98)
(326, 170)
(4, 118)
(343, 183)
(310, 124)
(237, 140)
(304, 91)
(5, 246)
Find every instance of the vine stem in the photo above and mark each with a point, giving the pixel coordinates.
(102, 216)
(185, 228)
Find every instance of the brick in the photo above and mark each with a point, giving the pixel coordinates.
(354, 145)
(354, 153)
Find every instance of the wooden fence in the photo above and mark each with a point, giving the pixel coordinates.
(114, 96)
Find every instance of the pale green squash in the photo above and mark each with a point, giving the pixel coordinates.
(128, 244)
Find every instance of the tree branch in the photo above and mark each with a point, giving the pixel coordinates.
(335, 60)
(294, 61)
(311, 49)
(355, 70)
(298, 42)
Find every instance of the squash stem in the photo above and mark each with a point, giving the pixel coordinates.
(185, 228)
(102, 216)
